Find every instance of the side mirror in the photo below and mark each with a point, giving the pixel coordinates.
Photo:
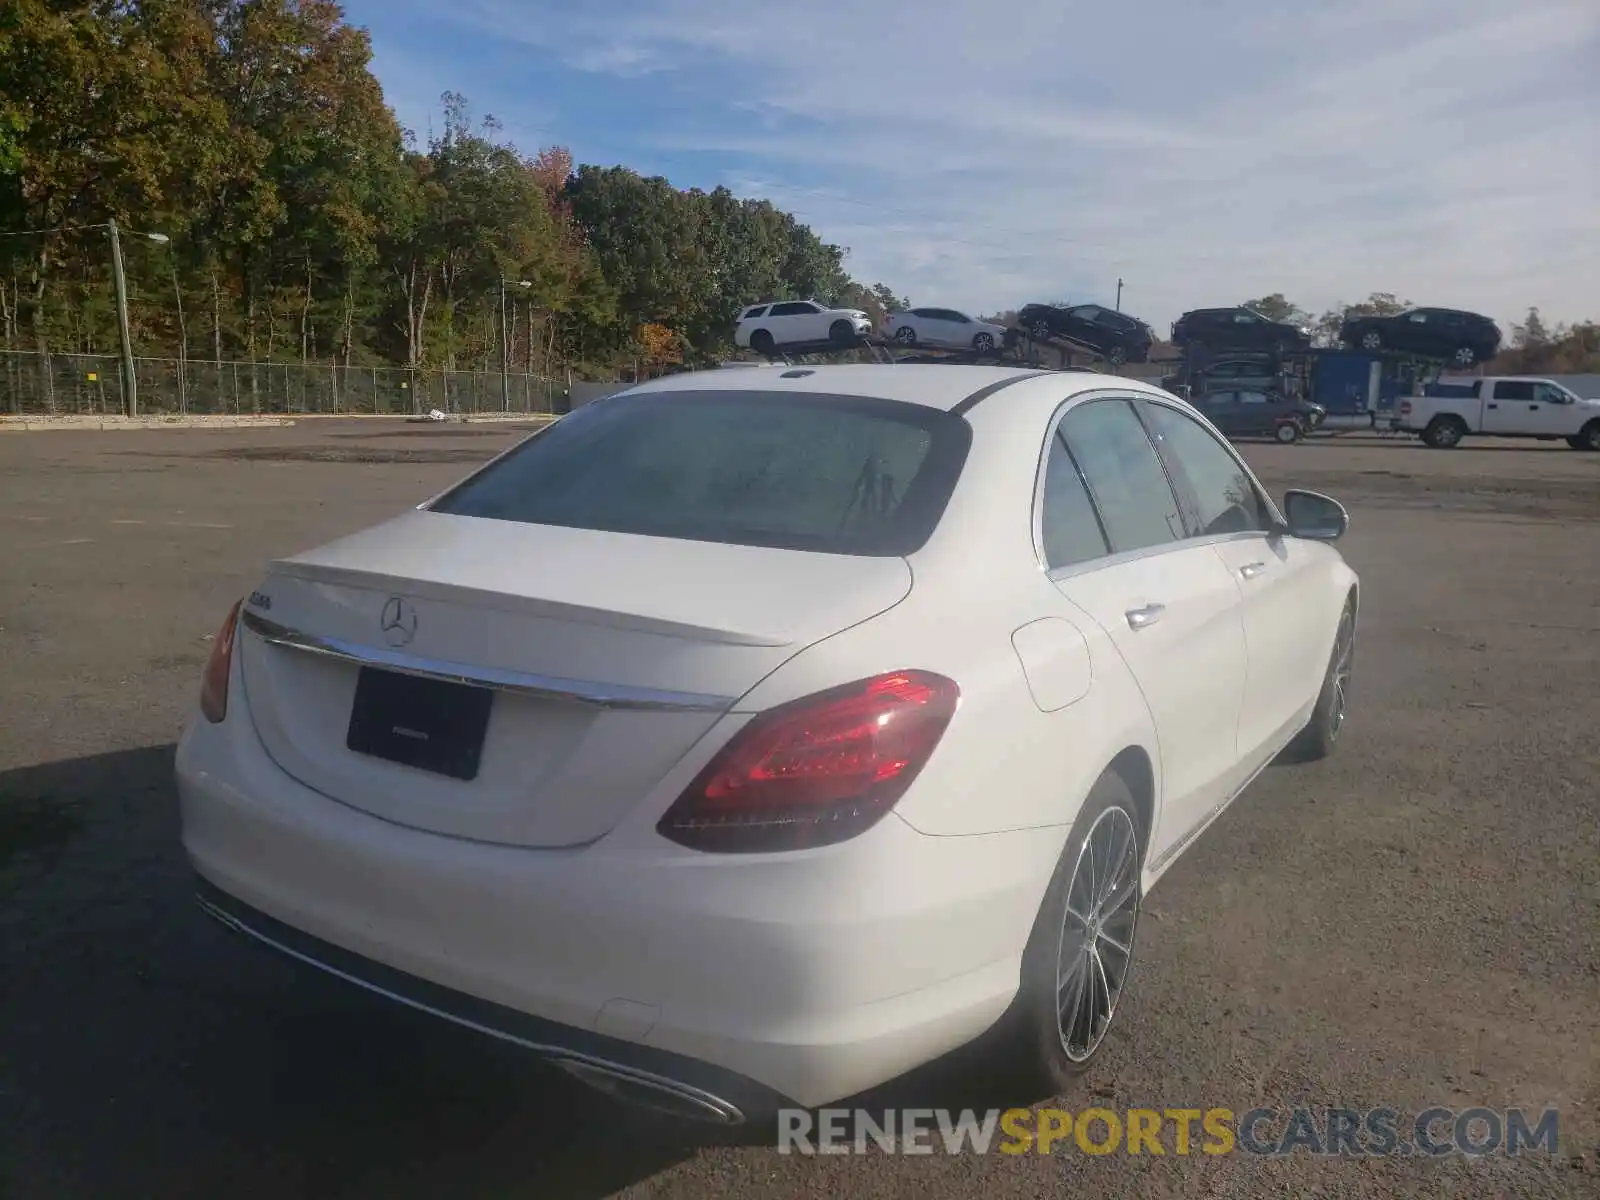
(1315, 516)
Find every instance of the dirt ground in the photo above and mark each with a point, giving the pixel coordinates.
(1412, 923)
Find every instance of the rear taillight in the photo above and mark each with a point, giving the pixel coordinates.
(818, 770)
(1405, 408)
(214, 683)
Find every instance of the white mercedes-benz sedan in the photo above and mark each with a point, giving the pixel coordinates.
(748, 738)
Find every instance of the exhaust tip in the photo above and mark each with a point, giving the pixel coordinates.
(652, 1092)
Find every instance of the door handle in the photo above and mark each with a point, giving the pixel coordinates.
(1140, 618)
(1493, 406)
(1251, 570)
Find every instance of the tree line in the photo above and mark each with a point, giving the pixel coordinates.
(302, 224)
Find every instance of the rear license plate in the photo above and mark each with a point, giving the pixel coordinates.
(423, 723)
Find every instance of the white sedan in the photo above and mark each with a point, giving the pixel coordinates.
(748, 738)
(944, 327)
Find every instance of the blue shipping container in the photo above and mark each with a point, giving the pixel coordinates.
(1348, 382)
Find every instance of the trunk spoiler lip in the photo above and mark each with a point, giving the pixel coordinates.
(596, 694)
(427, 589)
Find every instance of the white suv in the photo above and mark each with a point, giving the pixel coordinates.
(764, 327)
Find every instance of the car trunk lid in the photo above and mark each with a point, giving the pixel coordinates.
(520, 683)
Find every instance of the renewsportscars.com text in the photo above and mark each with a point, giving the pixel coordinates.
(1430, 1133)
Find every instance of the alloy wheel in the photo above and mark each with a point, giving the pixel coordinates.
(1344, 656)
(1096, 945)
(1465, 357)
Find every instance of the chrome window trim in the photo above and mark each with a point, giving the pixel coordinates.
(1055, 574)
(548, 687)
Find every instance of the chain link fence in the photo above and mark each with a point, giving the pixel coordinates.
(35, 384)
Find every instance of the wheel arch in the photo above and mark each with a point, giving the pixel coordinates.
(1133, 766)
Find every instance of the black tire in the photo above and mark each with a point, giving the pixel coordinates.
(1371, 340)
(1030, 1040)
(841, 333)
(906, 335)
(1444, 433)
(1321, 734)
(1039, 331)
(983, 343)
(761, 342)
(1588, 438)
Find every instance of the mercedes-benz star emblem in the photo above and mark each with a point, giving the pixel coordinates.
(398, 622)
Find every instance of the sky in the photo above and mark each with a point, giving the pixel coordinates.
(981, 156)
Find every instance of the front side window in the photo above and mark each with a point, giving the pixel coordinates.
(832, 474)
(1126, 479)
(1225, 499)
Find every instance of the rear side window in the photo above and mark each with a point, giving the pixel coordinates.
(1068, 526)
(754, 312)
(1125, 477)
(832, 474)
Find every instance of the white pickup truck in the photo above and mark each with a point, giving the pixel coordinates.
(1519, 406)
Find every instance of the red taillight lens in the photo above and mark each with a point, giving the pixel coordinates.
(1405, 407)
(816, 771)
(214, 683)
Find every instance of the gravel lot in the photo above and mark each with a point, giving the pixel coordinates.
(1414, 922)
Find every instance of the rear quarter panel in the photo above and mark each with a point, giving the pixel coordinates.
(1004, 763)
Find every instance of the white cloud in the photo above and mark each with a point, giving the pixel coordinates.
(1446, 150)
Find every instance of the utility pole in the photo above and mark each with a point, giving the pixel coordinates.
(505, 352)
(1119, 293)
(130, 375)
(505, 344)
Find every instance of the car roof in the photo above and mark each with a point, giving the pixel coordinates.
(941, 386)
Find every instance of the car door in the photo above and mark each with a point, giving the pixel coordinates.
(1418, 334)
(1170, 605)
(1082, 324)
(1509, 406)
(1243, 330)
(1277, 577)
(955, 329)
(1554, 411)
(1257, 415)
(1222, 409)
(790, 322)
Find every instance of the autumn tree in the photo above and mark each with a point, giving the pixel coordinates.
(1276, 308)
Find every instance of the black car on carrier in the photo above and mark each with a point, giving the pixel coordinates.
(1238, 328)
(1116, 337)
(1462, 338)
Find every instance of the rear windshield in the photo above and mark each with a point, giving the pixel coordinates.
(833, 474)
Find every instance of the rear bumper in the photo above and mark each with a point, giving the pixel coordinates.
(639, 1074)
(802, 977)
